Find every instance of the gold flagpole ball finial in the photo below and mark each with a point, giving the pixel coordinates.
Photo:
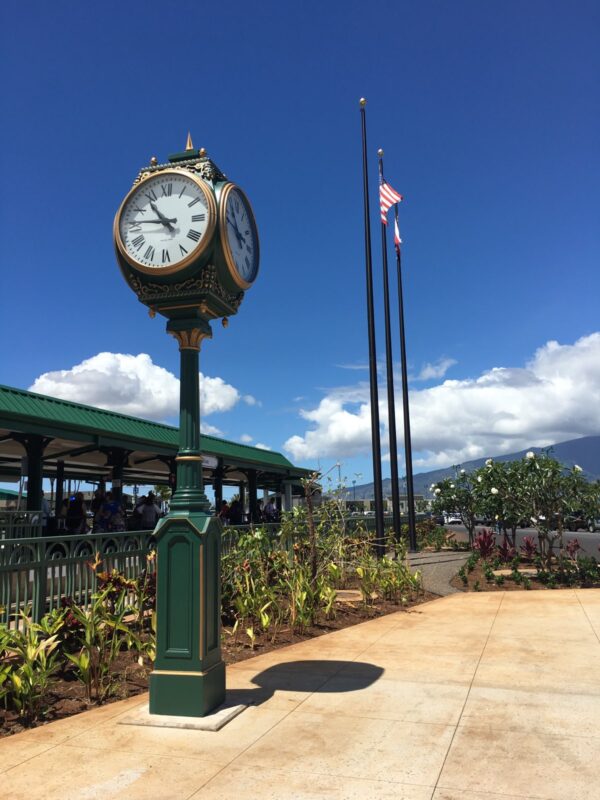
(362, 102)
(380, 153)
(154, 161)
(202, 151)
(189, 145)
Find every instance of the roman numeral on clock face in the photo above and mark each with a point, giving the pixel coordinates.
(138, 241)
(151, 195)
(165, 257)
(194, 235)
(167, 189)
(198, 217)
(182, 250)
(194, 201)
(149, 254)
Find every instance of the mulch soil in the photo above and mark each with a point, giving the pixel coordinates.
(477, 577)
(67, 695)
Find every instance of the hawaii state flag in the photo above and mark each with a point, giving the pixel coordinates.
(397, 239)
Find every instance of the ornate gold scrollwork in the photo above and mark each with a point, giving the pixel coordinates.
(191, 339)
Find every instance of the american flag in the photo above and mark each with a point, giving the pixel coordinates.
(397, 239)
(387, 198)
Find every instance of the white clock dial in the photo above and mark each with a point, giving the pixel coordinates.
(241, 236)
(165, 221)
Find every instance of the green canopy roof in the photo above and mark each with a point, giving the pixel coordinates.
(29, 412)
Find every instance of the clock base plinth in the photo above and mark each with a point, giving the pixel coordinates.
(189, 673)
(192, 695)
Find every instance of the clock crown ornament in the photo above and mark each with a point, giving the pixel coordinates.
(186, 239)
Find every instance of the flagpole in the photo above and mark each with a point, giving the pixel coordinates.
(412, 531)
(390, 374)
(375, 434)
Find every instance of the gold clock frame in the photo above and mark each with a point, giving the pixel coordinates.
(229, 260)
(204, 243)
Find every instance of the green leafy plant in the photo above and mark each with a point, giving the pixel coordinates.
(26, 678)
(103, 634)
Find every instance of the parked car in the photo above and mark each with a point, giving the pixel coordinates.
(575, 522)
(453, 519)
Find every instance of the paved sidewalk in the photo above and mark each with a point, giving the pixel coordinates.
(476, 696)
(438, 569)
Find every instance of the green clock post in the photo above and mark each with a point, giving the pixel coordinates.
(187, 244)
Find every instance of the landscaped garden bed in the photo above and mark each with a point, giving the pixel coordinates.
(492, 567)
(276, 590)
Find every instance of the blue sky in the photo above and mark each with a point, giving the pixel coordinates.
(489, 117)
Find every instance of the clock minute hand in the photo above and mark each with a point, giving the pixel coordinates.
(163, 219)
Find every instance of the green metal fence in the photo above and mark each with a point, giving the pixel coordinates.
(37, 572)
(17, 524)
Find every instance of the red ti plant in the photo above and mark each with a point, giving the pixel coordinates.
(573, 547)
(506, 551)
(529, 548)
(484, 543)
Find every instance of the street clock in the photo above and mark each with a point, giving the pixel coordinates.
(186, 237)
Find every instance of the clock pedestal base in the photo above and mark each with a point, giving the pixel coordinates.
(189, 675)
(187, 695)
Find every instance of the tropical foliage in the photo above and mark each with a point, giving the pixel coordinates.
(535, 491)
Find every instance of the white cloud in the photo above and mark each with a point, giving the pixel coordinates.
(250, 400)
(245, 438)
(554, 397)
(132, 385)
(210, 430)
(360, 367)
(216, 395)
(262, 446)
(435, 370)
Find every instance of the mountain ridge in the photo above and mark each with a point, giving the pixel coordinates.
(584, 451)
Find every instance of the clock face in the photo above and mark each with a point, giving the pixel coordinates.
(239, 236)
(165, 222)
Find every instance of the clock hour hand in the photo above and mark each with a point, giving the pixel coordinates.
(163, 219)
(233, 224)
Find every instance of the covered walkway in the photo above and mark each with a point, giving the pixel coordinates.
(471, 697)
(43, 436)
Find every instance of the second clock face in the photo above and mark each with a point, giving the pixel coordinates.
(241, 236)
(165, 222)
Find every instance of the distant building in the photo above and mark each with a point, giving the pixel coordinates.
(369, 505)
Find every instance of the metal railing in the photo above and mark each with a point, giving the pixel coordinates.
(37, 572)
(18, 524)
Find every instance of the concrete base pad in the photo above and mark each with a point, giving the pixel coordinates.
(211, 722)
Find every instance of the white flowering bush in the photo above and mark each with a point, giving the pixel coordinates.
(456, 496)
(536, 490)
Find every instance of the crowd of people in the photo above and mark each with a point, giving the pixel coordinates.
(233, 513)
(106, 513)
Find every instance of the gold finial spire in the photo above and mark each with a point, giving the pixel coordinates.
(189, 145)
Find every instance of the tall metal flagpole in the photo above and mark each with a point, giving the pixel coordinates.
(375, 435)
(412, 531)
(390, 374)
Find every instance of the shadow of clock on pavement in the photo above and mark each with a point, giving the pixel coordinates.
(306, 676)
